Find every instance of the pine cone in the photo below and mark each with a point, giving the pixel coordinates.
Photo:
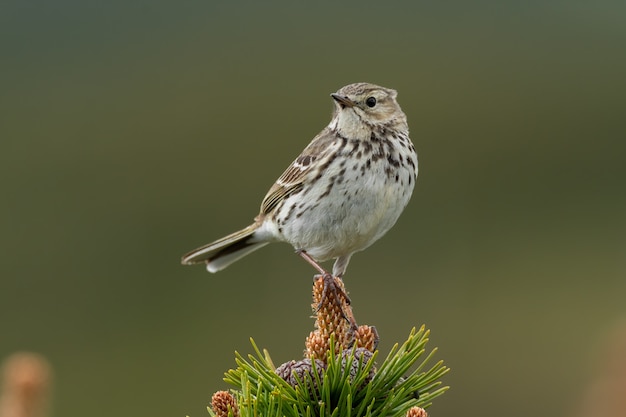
(297, 372)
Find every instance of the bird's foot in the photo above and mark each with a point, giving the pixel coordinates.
(333, 286)
(333, 292)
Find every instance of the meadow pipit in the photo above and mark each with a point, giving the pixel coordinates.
(345, 190)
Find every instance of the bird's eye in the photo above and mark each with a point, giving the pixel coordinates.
(371, 102)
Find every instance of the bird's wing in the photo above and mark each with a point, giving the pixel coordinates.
(295, 176)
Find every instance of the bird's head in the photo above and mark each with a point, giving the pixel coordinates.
(363, 106)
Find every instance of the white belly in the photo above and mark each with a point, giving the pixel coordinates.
(350, 216)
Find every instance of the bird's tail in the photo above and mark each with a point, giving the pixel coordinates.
(221, 253)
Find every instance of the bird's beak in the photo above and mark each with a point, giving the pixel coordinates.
(344, 101)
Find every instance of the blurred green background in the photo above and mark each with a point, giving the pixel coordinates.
(132, 132)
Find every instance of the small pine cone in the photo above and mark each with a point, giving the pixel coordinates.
(222, 402)
(284, 370)
(366, 337)
(317, 346)
(416, 412)
(361, 357)
(293, 371)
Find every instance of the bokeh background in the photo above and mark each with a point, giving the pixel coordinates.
(134, 131)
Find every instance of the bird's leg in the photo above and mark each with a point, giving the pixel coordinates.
(312, 261)
(329, 281)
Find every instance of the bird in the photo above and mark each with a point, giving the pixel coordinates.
(345, 190)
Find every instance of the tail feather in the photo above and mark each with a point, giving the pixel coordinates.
(223, 252)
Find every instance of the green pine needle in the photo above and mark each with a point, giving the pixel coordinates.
(399, 383)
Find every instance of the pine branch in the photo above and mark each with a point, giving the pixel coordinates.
(338, 376)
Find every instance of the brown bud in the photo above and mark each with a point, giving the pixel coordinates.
(317, 346)
(333, 316)
(26, 386)
(416, 412)
(222, 402)
(366, 337)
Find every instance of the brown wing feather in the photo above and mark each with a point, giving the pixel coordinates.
(276, 194)
(294, 177)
